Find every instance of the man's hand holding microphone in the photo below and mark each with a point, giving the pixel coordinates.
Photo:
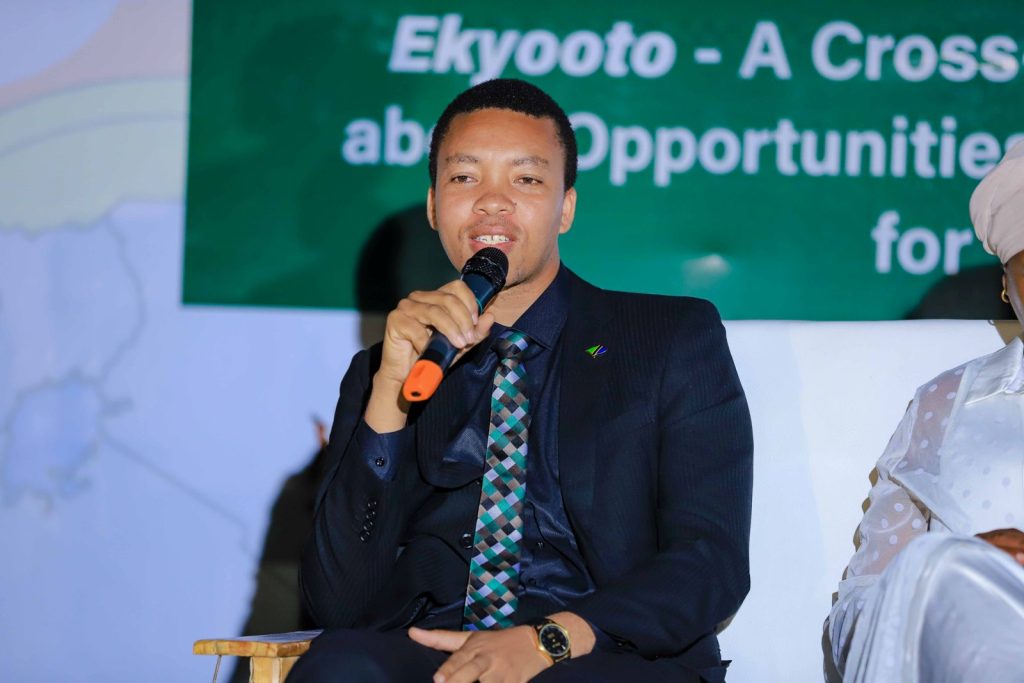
(427, 332)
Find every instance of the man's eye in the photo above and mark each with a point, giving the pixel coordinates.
(530, 180)
(461, 179)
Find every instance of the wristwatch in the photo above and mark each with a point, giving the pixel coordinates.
(552, 640)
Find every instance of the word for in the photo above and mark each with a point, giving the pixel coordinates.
(918, 250)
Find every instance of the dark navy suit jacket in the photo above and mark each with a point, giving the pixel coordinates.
(655, 462)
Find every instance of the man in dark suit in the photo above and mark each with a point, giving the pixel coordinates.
(574, 502)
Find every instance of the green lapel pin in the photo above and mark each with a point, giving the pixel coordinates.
(596, 351)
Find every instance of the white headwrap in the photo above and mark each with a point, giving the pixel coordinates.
(997, 206)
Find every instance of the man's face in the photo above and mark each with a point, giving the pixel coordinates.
(500, 183)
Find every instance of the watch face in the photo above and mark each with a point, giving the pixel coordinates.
(553, 640)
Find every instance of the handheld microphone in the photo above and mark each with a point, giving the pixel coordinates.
(485, 275)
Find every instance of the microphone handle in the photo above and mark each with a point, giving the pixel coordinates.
(427, 373)
(439, 351)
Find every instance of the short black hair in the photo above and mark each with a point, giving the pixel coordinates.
(514, 95)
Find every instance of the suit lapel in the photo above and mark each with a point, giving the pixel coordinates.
(584, 382)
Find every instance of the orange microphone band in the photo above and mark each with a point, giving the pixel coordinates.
(423, 380)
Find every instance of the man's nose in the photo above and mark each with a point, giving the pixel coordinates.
(494, 201)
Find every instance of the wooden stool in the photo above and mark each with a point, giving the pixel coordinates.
(271, 656)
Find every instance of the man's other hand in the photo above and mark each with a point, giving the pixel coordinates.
(501, 656)
(1007, 540)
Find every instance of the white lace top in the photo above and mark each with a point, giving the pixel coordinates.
(955, 464)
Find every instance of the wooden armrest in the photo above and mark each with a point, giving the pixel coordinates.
(292, 644)
(271, 656)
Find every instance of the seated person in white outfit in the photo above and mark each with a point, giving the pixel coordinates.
(935, 591)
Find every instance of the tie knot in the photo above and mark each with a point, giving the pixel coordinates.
(510, 345)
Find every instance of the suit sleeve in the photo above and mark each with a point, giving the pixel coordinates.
(360, 512)
(699, 574)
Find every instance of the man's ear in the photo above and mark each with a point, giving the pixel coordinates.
(431, 216)
(568, 211)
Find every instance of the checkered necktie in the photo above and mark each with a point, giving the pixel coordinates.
(494, 568)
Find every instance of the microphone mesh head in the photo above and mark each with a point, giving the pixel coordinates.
(489, 262)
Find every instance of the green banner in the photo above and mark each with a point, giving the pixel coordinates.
(809, 161)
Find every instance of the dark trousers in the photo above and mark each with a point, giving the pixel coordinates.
(356, 656)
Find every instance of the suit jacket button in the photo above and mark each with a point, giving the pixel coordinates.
(380, 462)
(364, 536)
(368, 525)
(371, 504)
(466, 540)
